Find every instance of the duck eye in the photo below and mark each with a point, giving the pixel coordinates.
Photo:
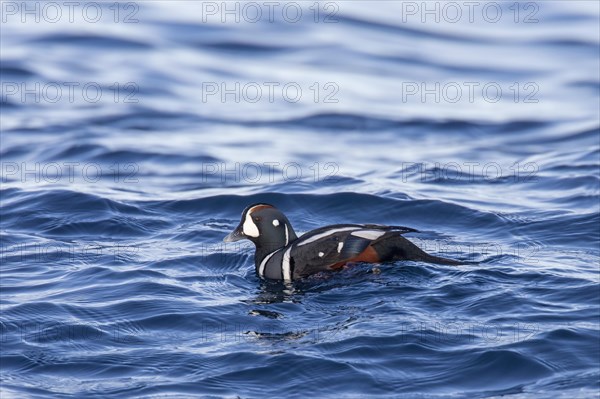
(257, 219)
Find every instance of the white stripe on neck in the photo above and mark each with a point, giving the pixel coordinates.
(286, 269)
(263, 264)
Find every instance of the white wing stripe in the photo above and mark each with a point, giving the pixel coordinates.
(368, 234)
(325, 234)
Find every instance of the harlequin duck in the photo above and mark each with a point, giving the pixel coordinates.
(281, 255)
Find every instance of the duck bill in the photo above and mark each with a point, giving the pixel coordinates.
(235, 235)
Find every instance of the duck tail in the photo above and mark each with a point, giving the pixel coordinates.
(397, 247)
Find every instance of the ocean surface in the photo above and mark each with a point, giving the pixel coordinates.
(134, 134)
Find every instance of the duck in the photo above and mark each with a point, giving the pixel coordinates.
(281, 255)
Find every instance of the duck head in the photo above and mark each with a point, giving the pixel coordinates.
(266, 226)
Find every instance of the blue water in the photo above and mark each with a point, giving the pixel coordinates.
(115, 282)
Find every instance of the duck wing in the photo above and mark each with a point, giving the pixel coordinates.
(331, 247)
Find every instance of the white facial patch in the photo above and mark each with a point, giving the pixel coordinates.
(249, 228)
(275, 222)
(340, 246)
(321, 254)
